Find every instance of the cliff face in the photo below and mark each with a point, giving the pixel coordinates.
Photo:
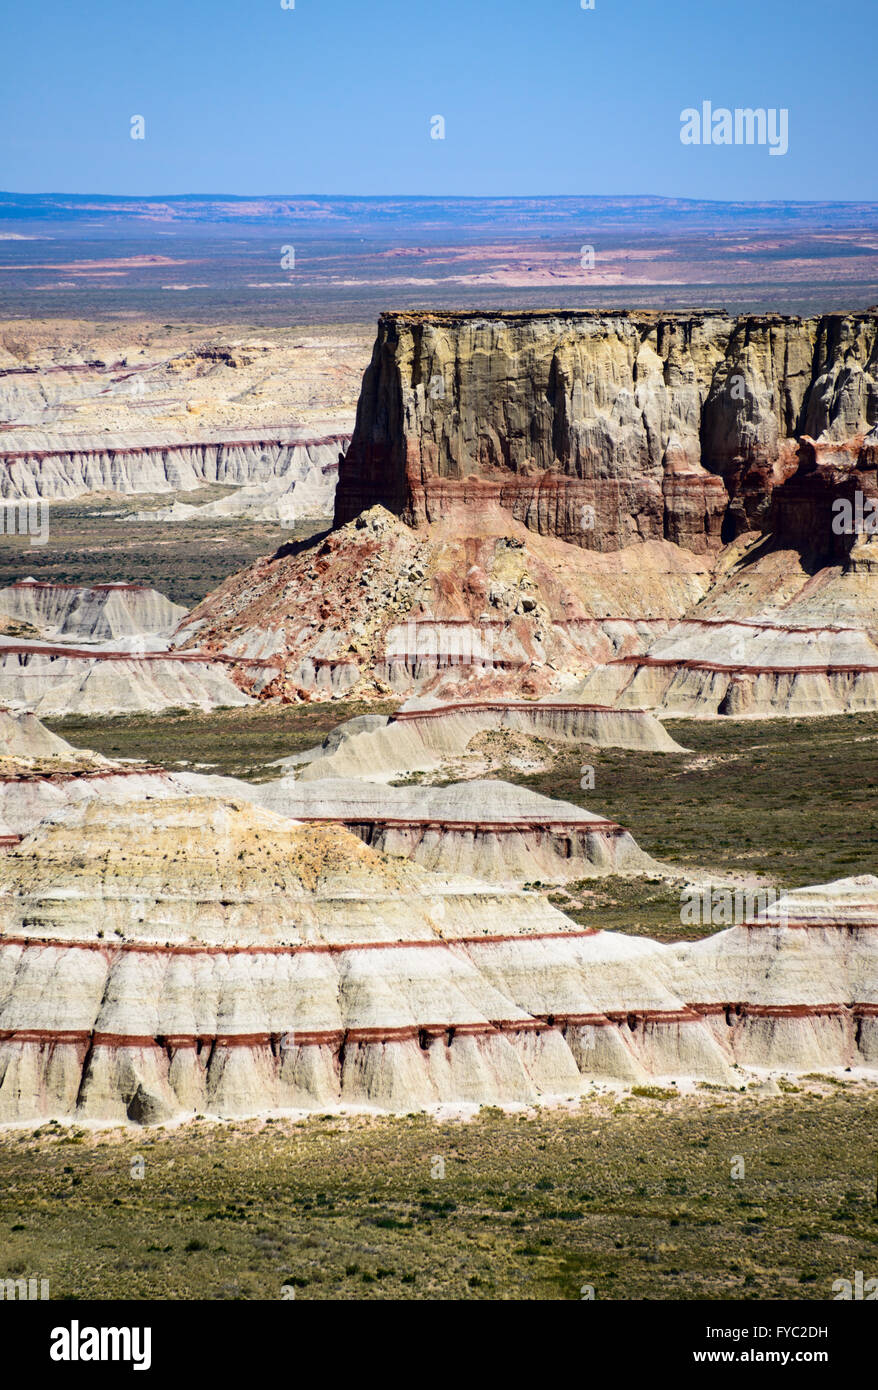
(606, 428)
(156, 466)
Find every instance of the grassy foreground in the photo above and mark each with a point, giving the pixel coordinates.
(634, 1197)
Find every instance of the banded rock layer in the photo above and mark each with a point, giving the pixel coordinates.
(183, 956)
(424, 737)
(59, 680)
(100, 613)
(490, 830)
(272, 468)
(671, 426)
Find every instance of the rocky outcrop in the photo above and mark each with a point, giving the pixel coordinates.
(96, 613)
(59, 680)
(204, 956)
(489, 830)
(472, 606)
(425, 739)
(604, 428)
(24, 739)
(155, 466)
(828, 509)
(748, 669)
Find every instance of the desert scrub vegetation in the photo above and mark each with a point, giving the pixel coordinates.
(94, 541)
(234, 742)
(792, 800)
(636, 1199)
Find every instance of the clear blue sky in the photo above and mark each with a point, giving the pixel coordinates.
(335, 96)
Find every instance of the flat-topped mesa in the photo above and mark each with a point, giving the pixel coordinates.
(605, 428)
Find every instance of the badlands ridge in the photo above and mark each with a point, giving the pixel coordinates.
(164, 957)
(550, 529)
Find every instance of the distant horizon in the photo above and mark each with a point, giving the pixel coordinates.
(444, 197)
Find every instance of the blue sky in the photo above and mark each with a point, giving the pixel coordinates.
(336, 96)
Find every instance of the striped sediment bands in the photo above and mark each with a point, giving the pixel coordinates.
(426, 1033)
(358, 823)
(22, 649)
(813, 923)
(633, 1020)
(30, 586)
(87, 775)
(735, 669)
(111, 949)
(504, 707)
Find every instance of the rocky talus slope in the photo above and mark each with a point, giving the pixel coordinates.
(473, 605)
(168, 957)
(775, 635)
(532, 498)
(607, 428)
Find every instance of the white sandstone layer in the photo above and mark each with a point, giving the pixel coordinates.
(96, 613)
(58, 681)
(200, 955)
(422, 736)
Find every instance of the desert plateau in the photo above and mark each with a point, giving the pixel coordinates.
(439, 679)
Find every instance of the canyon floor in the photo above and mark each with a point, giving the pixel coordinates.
(632, 1195)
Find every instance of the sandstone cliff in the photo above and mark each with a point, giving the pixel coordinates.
(155, 465)
(608, 428)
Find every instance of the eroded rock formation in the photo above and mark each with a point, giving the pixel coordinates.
(170, 957)
(59, 680)
(271, 470)
(668, 426)
(95, 613)
(474, 605)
